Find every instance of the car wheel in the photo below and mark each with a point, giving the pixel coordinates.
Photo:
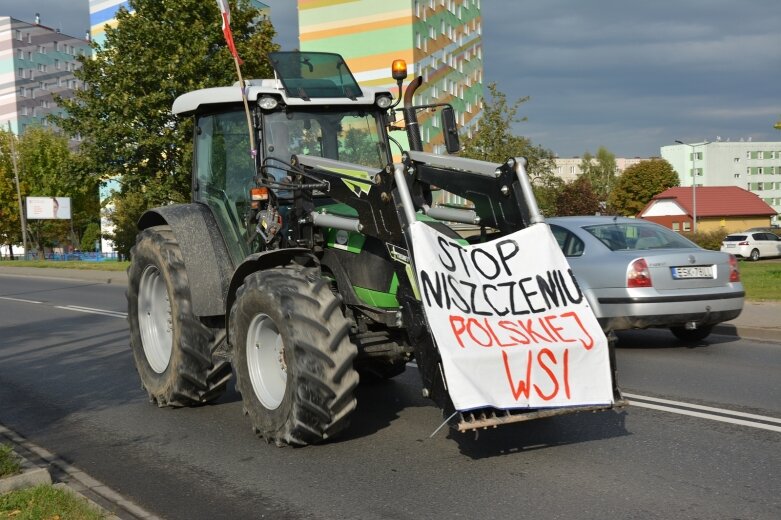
(691, 335)
(754, 255)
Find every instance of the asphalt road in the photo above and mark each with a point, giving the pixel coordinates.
(702, 438)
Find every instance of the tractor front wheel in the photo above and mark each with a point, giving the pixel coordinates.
(293, 356)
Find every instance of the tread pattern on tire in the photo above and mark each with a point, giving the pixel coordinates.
(318, 351)
(195, 375)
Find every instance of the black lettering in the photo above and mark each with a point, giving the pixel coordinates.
(548, 289)
(473, 292)
(443, 246)
(528, 294)
(430, 290)
(513, 310)
(506, 256)
(488, 300)
(575, 284)
(452, 281)
(496, 269)
(461, 252)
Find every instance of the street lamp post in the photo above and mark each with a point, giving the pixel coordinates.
(694, 180)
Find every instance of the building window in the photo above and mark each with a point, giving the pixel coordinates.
(676, 227)
(19, 35)
(41, 49)
(737, 159)
(20, 54)
(687, 226)
(760, 171)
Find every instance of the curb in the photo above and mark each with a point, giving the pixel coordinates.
(29, 478)
(764, 334)
(70, 478)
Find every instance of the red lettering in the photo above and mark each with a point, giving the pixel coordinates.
(556, 329)
(496, 338)
(528, 328)
(522, 388)
(550, 373)
(477, 324)
(458, 331)
(510, 327)
(572, 314)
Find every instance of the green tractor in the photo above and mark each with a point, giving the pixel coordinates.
(293, 266)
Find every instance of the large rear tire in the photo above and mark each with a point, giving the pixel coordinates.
(173, 350)
(293, 356)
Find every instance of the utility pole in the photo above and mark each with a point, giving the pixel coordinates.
(22, 217)
(694, 179)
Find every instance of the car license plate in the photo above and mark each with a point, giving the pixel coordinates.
(730, 245)
(689, 272)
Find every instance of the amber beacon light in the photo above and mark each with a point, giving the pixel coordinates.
(399, 70)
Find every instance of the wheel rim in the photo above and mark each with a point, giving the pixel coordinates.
(154, 319)
(265, 361)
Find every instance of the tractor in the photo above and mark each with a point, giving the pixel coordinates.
(294, 266)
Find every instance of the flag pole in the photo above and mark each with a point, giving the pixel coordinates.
(226, 30)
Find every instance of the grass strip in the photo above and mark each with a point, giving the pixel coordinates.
(762, 280)
(106, 265)
(47, 502)
(9, 462)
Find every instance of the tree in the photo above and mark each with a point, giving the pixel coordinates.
(90, 237)
(639, 183)
(126, 211)
(162, 50)
(494, 141)
(577, 198)
(47, 168)
(10, 227)
(601, 171)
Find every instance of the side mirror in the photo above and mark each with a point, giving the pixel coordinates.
(450, 130)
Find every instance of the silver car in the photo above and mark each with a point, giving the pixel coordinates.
(636, 274)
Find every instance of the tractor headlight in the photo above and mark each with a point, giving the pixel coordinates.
(384, 101)
(268, 102)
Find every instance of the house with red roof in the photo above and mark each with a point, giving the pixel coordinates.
(716, 208)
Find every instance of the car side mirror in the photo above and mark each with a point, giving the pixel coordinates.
(450, 130)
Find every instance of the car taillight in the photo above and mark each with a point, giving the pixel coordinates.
(638, 274)
(734, 272)
(744, 243)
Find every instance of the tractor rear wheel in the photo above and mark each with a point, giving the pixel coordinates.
(173, 350)
(293, 356)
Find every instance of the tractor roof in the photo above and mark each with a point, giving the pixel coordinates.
(302, 79)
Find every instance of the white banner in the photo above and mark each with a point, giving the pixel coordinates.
(512, 326)
(48, 208)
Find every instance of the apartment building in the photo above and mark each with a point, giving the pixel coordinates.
(441, 40)
(753, 166)
(103, 13)
(36, 63)
(568, 168)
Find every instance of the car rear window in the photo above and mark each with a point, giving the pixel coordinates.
(734, 238)
(638, 236)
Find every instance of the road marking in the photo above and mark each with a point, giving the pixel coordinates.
(18, 299)
(710, 416)
(90, 310)
(706, 408)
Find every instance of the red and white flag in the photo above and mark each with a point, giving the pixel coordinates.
(226, 27)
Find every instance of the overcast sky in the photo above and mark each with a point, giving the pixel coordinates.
(629, 75)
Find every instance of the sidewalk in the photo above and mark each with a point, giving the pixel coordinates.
(759, 320)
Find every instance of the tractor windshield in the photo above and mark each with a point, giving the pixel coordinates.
(350, 136)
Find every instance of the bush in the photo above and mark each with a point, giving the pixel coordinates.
(707, 239)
